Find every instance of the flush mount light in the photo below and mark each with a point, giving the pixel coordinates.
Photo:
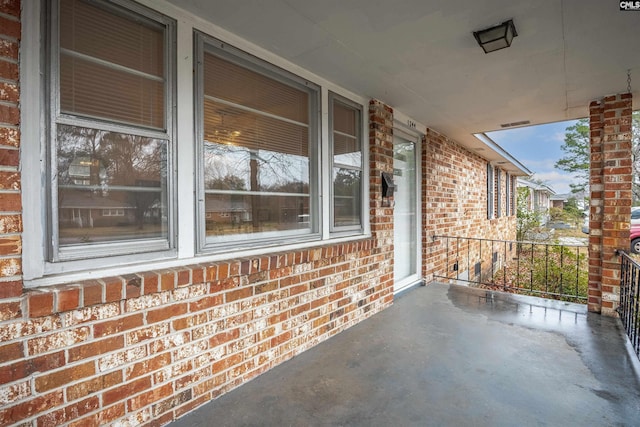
(496, 37)
(510, 125)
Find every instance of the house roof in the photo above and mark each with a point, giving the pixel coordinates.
(535, 186)
(228, 204)
(87, 200)
(420, 57)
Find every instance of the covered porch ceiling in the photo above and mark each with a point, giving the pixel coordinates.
(421, 58)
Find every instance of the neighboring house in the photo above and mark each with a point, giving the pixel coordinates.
(538, 198)
(558, 201)
(332, 194)
(86, 209)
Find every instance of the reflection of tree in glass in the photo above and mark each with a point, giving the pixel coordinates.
(228, 182)
(345, 180)
(267, 169)
(120, 160)
(76, 142)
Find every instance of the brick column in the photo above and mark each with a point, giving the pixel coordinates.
(381, 213)
(611, 198)
(10, 198)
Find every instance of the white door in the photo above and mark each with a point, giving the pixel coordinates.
(405, 212)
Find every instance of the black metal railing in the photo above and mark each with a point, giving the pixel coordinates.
(540, 269)
(629, 308)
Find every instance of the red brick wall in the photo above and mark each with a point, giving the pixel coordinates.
(157, 344)
(454, 202)
(380, 212)
(10, 202)
(146, 348)
(611, 198)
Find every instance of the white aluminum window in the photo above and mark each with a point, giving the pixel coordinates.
(345, 124)
(257, 150)
(490, 191)
(514, 195)
(507, 189)
(110, 133)
(115, 77)
(498, 193)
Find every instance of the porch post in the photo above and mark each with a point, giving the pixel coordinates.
(610, 207)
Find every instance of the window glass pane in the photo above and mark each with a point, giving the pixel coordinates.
(346, 150)
(227, 125)
(92, 90)
(111, 66)
(347, 162)
(346, 196)
(236, 84)
(345, 119)
(111, 186)
(242, 213)
(238, 168)
(256, 154)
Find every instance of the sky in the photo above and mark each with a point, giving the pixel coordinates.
(538, 148)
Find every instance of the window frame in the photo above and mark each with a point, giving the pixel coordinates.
(507, 189)
(58, 258)
(498, 193)
(490, 191)
(39, 271)
(356, 228)
(205, 43)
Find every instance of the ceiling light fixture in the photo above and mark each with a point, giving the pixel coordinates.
(496, 37)
(510, 125)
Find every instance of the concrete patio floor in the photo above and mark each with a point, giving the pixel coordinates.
(449, 356)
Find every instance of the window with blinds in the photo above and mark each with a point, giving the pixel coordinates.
(346, 145)
(112, 65)
(490, 192)
(111, 127)
(498, 193)
(258, 149)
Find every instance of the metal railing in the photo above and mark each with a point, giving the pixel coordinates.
(629, 308)
(546, 270)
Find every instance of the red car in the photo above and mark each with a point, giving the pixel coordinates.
(635, 238)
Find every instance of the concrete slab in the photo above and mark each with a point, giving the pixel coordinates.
(454, 356)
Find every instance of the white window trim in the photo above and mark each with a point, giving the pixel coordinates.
(34, 176)
(31, 97)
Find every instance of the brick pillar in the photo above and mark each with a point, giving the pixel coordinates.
(611, 198)
(381, 211)
(10, 198)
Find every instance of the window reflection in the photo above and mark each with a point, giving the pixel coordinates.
(256, 152)
(111, 186)
(347, 196)
(253, 191)
(347, 162)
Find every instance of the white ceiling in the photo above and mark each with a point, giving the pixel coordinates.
(420, 56)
